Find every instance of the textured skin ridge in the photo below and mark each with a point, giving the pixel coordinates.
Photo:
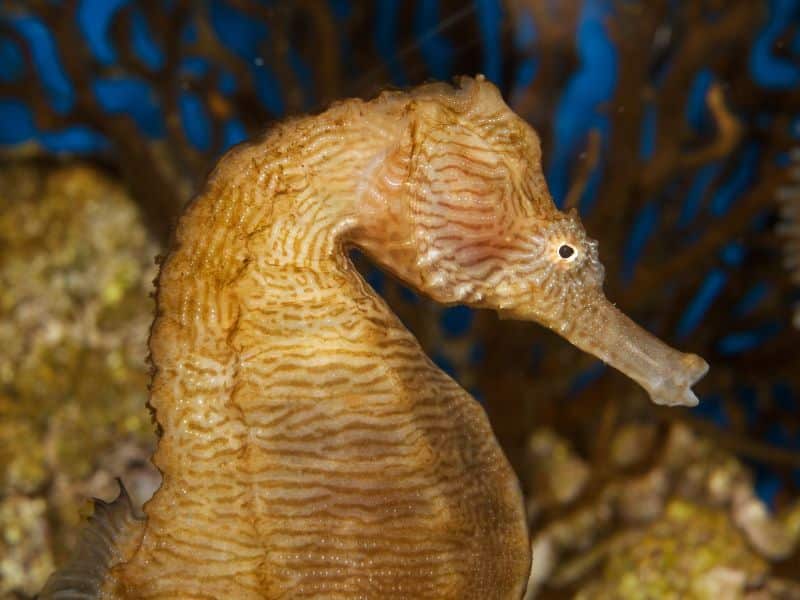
(112, 530)
(309, 447)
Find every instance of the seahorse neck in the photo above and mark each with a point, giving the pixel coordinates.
(254, 257)
(280, 331)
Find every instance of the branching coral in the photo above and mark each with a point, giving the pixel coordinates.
(789, 198)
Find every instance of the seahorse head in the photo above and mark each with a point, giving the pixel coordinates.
(467, 218)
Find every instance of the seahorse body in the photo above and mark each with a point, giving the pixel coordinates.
(309, 448)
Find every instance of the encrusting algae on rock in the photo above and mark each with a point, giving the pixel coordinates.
(671, 516)
(309, 448)
(76, 269)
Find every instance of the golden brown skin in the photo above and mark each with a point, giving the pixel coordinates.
(310, 449)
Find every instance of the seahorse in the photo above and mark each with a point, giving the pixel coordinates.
(309, 448)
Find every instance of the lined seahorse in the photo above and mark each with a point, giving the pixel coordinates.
(309, 448)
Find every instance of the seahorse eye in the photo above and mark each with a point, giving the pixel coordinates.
(566, 251)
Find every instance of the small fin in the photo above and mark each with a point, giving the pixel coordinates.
(109, 529)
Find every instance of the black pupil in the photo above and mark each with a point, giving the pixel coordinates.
(566, 251)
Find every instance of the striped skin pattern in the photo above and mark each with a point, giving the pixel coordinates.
(309, 448)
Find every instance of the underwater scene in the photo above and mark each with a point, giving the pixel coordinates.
(471, 299)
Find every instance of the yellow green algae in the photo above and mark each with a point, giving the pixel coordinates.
(691, 552)
(684, 522)
(76, 272)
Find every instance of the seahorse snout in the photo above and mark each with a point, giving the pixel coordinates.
(689, 369)
(667, 374)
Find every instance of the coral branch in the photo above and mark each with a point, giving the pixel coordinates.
(789, 228)
(738, 444)
(672, 158)
(588, 164)
(703, 251)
